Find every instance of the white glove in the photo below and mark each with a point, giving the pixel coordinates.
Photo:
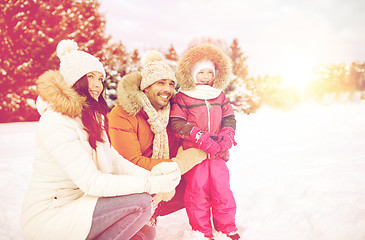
(164, 168)
(162, 183)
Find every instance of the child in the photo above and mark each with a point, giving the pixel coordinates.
(202, 117)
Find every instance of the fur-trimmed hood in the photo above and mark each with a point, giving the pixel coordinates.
(127, 97)
(223, 66)
(57, 95)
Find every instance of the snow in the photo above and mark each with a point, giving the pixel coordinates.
(297, 174)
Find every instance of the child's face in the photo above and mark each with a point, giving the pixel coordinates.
(205, 77)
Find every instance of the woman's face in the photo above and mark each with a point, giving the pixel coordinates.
(95, 80)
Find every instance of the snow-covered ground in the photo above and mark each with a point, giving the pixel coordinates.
(296, 175)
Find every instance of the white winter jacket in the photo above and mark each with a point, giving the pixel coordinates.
(68, 175)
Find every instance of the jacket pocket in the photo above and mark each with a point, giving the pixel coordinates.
(64, 196)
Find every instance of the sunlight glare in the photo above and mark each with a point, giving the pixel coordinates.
(297, 74)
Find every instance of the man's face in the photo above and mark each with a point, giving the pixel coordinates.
(160, 93)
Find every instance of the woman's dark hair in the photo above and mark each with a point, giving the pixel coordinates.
(92, 111)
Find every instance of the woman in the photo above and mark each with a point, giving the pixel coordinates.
(81, 187)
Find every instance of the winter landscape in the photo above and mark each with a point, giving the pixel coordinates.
(296, 174)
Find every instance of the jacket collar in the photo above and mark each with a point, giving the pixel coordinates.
(127, 97)
(57, 95)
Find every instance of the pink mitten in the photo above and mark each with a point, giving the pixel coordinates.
(204, 141)
(226, 138)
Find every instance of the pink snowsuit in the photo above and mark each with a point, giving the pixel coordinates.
(208, 185)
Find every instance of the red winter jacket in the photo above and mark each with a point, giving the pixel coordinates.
(209, 115)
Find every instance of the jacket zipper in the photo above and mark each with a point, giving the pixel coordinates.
(207, 104)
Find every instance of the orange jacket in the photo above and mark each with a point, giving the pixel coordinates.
(132, 137)
(129, 131)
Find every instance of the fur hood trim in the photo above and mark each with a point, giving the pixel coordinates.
(223, 66)
(127, 93)
(53, 89)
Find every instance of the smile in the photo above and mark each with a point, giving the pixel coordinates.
(165, 96)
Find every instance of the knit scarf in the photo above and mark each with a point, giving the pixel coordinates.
(158, 121)
(204, 92)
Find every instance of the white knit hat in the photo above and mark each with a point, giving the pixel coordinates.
(155, 69)
(200, 66)
(74, 63)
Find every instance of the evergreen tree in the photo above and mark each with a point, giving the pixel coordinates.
(136, 61)
(116, 63)
(331, 81)
(357, 76)
(171, 55)
(275, 93)
(30, 32)
(330, 78)
(238, 60)
(242, 91)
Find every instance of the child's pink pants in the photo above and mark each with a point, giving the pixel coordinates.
(208, 190)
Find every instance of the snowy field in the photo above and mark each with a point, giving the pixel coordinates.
(296, 175)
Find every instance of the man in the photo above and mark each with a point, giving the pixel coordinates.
(137, 124)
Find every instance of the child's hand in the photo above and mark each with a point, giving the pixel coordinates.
(204, 141)
(226, 138)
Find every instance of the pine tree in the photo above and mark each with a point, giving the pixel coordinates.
(357, 75)
(136, 61)
(238, 60)
(30, 32)
(171, 55)
(117, 64)
(242, 90)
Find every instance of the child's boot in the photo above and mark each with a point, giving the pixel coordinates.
(233, 235)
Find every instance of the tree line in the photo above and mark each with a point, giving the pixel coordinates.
(31, 30)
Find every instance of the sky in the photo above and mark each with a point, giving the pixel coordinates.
(278, 36)
(295, 174)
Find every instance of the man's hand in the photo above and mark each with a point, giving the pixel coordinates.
(187, 159)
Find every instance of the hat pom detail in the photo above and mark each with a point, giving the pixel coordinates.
(155, 69)
(153, 56)
(66, 46)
